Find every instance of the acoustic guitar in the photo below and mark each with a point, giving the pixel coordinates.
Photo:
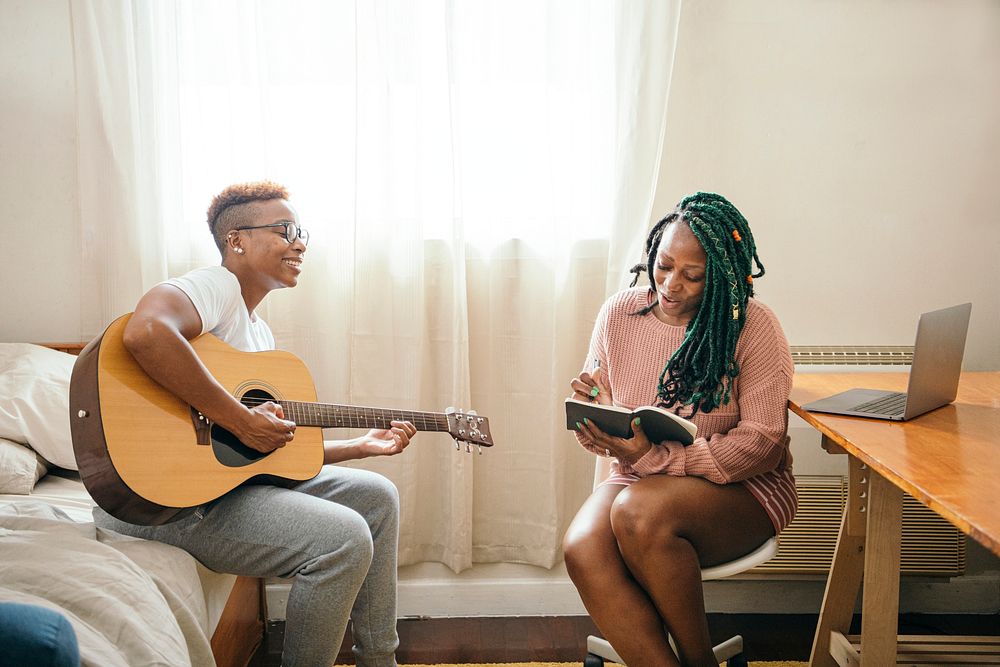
(147, 457)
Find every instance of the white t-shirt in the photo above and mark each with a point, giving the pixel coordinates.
(215, 293)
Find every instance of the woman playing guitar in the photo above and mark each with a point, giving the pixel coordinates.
(335, 534)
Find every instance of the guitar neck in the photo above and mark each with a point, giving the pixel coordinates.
(330, 415)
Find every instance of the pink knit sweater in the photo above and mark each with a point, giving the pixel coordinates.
(736, 441)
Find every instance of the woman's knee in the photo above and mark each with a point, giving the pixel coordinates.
(377, 491)
(345, 544)
(362, 549)
(387, 490)
(576, 546)
(588, 551)
(640, 524)
(588, 545)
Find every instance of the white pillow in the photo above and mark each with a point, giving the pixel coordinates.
(34, 400)
(20, 468)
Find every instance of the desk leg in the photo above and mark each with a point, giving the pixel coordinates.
(847, 567)
(880, 605)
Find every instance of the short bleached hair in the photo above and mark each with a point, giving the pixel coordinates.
(235, 207)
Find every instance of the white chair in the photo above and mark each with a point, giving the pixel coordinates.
(731, 650)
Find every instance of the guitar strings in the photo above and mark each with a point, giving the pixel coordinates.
(346, 416)
(252, 400)
(355, 414)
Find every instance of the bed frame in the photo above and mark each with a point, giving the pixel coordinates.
(241, 627)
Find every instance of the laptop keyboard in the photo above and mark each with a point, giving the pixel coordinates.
(892, 404)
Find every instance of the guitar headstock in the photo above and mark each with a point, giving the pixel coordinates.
(469, 427)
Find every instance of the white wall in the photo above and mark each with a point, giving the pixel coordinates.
(820, 120)
(861, 141)
(39, 237)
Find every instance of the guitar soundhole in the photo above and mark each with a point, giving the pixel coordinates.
(228, 449)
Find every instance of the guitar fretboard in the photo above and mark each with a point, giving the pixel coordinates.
(330, 415)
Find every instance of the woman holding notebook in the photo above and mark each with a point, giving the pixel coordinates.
(695, 342)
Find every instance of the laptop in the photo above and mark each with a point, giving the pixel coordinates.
(937, 364)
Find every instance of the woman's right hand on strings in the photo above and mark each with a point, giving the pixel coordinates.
(584, 388)
(265, 428)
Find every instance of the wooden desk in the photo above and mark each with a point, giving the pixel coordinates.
(948, 459)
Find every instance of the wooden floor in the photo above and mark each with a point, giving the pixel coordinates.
(563, 638)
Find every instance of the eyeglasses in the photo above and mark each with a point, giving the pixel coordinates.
(292, 231)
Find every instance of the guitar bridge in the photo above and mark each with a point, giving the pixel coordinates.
(202, 428)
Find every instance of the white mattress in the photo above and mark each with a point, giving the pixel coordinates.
(64, 490)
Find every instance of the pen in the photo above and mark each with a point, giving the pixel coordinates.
(594, 391)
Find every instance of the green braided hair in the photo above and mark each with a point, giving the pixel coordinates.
(700, 373)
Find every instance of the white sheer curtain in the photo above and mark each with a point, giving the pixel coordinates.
(476, 176)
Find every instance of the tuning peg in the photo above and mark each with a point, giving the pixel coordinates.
(450, 409)
(471, 412)
(480, 448)
(458, 445)
(468, 448)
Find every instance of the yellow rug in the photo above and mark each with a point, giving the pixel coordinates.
(577, 664)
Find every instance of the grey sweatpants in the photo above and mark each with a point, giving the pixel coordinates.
(334, 535)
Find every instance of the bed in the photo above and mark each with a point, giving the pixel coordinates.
(130, 601)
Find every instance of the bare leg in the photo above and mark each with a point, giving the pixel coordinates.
(617, 604)
(667, 529)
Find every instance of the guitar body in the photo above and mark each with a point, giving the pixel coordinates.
(138, 446)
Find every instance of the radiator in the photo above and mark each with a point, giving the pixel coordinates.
(930, 545)
(852, 355)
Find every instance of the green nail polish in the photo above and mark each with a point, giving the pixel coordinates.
(586, 421)
(579, 427)
(636, 422)
(595, 391)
